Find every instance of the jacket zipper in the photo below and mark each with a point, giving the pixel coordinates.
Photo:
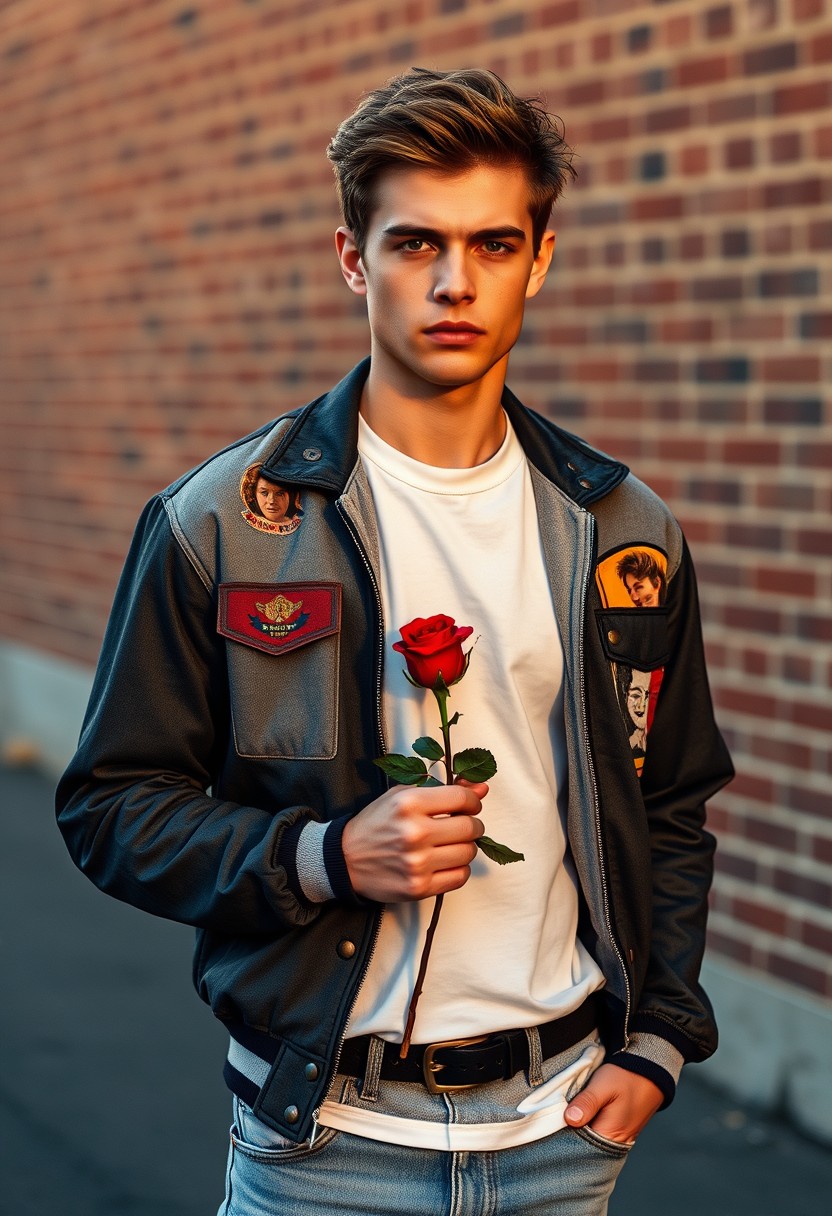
(382, 750)
(596, 802)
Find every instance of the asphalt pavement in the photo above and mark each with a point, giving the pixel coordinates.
(111, 1096)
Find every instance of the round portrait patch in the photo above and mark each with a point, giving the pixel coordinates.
(269, 506)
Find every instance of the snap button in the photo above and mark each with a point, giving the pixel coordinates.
(312, 454)
(346, 948)
(291, 1114)
(571, 466)
(311, 1072)
(582, 481)
(614, 637)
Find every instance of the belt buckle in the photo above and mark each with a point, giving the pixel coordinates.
(430, 1067)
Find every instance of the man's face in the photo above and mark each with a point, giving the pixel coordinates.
(447, 267)
(638, 697)
(644, 592)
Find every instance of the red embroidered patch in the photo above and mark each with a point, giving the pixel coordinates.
(278, 616)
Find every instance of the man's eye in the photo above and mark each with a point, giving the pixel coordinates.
(414, 244)
(496, 247)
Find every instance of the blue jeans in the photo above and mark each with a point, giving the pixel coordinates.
(571, 1172)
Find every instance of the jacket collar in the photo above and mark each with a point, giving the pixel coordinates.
(319, 448)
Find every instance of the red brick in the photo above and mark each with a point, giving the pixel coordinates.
(737, 108)
(814, 455)
(752, 451)
(670, 118)
(762, 916)
(815, 541)
(812, 715)
(785, 497)
(795, 755)
(807, 192)
(694, 159)
(820, 234)
(755, 620)
(822, 848)
(739, 153)
(601, 47)
(657, 207)
(777, 238)
(810, 802)
(738, 865)
(729, 946)
(785, 146)
(800, 98)
(802, 886)
(755, 662)
(789, 369)
(797, 669)
(692, 246)
(654, 291)
(677, 31)
(820, 48)
(814, 979)
(807, 10)
(705, 70)
(817, 937)
(585, 93)
(775, 835)
(757, 705)
(558, 14)
(719, 22)
(763, 327)
(687, 329)
(823, 142)
(614, 127)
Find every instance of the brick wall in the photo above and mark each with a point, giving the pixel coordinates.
(167, 283)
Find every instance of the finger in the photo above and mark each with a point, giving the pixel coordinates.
(582, 1108)
(480, 788)
(455, 829)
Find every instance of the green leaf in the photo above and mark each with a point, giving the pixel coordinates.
(405, 770)
(453, 721)
(439, 685)
(500, 853)
(429, 748)
(475, 764)
(430, 781)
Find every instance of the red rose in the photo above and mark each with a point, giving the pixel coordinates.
(432, 647)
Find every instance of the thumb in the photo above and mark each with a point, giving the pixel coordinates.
(582, 1108)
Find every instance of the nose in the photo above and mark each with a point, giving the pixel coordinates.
(454, 283)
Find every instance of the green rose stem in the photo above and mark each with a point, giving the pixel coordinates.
(442, 701)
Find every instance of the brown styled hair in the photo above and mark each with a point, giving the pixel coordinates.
(449, 122)
(640, 565)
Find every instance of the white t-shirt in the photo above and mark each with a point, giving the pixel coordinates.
(466, 543)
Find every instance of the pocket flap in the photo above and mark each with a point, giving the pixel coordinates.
(276, 617)
(636, 637)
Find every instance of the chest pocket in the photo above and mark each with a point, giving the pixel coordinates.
(283, 653)
(636, 637)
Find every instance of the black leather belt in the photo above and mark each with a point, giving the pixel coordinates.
(461, 1063)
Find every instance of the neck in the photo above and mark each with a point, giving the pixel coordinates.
(449, 427)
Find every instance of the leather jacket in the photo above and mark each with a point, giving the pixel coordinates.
(220, 725)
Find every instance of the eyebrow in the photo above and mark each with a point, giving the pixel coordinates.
(433, 234)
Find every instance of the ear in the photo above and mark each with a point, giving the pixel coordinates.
(352, 267)
(541, 264)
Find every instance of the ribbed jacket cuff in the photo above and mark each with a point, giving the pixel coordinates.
(652, 1057)
(314, 862)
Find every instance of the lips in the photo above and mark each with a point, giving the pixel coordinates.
(453, 333)
(454, 327)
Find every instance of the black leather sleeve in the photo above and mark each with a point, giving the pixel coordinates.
(687, 763)
(133, 804)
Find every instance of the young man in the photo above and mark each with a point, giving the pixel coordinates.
(225, 773)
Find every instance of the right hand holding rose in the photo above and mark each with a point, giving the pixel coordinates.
(414, 842)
